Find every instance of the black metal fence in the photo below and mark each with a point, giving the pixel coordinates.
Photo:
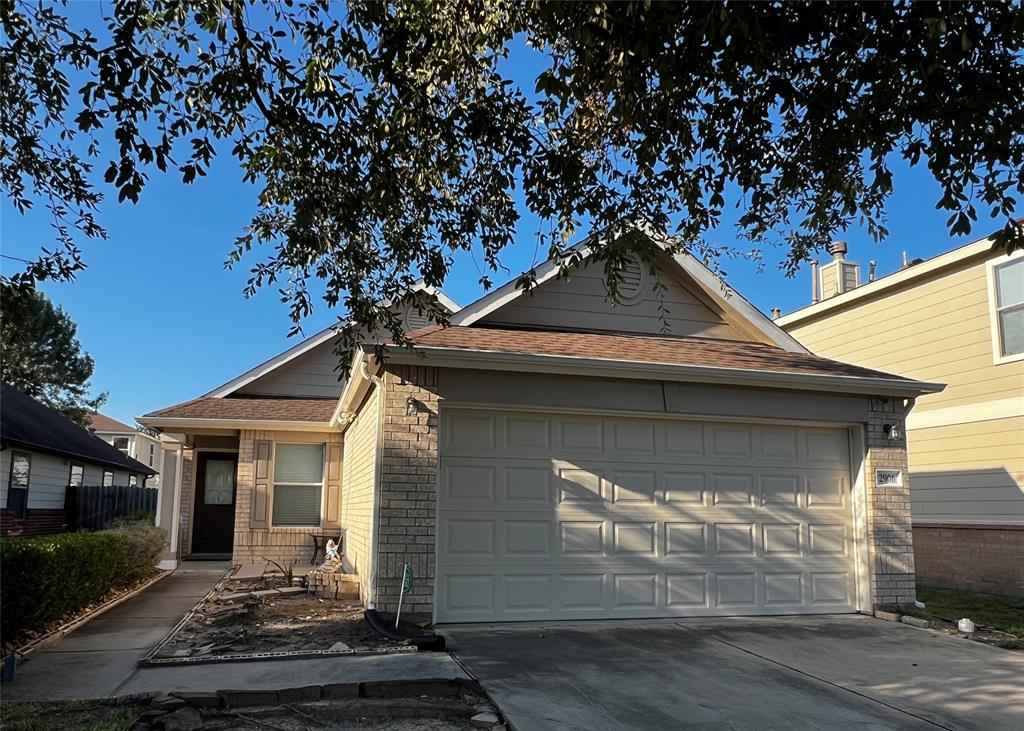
(93, 507)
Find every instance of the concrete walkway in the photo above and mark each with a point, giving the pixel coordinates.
(101, 659)
(842, 672)
(98, 658)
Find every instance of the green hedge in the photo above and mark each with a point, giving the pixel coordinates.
(43, 579)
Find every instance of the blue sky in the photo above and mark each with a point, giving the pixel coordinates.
(165, 321)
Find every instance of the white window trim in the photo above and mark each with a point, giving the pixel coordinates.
(273, 488)
(993, 309)
(71, 471)
(103, 478)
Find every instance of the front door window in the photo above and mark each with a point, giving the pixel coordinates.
(220, 482)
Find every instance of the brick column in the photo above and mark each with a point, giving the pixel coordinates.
(408, 490)
(889, 529)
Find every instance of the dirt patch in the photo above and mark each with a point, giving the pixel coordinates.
(396, 714)
(985, 635)
(242, 618)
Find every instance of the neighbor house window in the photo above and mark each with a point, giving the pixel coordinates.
(152, 454)
(133, 480)
(17, 487)
(108, 478)
(77, 475)
(121, 443)
(298, 484)
(1008, 280)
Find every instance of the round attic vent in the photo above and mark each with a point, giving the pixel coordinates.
(631, 284)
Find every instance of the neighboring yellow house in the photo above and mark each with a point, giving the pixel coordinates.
(957, 319)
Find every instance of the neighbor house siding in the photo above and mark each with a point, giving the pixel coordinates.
(969, 472)
(47, 487)
(939, 328)
(357, 489)
(581, 302)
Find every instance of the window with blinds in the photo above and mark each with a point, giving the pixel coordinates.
(298, 484)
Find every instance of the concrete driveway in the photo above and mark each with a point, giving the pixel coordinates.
(768, 673)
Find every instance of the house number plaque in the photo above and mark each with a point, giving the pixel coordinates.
(888, 478)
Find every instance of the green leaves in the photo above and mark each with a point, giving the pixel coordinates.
(40, 354)
(385, 138)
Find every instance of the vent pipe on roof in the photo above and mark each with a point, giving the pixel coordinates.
(838, 250)
(871, 270)
(815, 291)
(906, 261)
(776, 313)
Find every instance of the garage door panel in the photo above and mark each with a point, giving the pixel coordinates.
(783, 588)
(634, 539)
(633, 486)
(568, 517)
(728, 441)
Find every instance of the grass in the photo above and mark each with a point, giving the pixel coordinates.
(80, 715)
(1003, 613)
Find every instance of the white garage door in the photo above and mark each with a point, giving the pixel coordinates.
(575, 517)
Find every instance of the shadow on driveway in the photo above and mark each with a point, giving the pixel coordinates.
(807, 672)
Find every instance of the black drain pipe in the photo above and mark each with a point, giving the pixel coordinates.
(429, 642)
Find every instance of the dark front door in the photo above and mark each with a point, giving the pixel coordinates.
(213, 519)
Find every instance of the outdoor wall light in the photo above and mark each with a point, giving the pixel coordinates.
(892, 431)
(411, 406)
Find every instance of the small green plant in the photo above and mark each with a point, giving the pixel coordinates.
(286, 570)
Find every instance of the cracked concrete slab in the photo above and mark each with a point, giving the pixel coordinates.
(806, 672)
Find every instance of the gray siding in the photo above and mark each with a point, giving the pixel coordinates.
(48, 478)
(575, 392)
(314, 374)
(581, 302)
(311, 374)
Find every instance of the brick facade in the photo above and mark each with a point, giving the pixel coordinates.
(279, 544)
(890, 536)
(976, 558)
(37, 522)
(408, 489)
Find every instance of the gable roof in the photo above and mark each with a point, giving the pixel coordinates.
(26, 423)
(715, 289)
(102, 423)
(649, 356)
(890, 281)
(324, 336)
(261, 409)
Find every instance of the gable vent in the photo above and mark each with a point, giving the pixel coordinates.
(632, 283)
(415, 320)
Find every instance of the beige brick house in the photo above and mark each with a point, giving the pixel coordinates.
(956, 318)
(552, 455)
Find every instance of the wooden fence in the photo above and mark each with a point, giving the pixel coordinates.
(93, 507)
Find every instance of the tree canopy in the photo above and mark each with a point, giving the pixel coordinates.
(41, 356)
(387, 136)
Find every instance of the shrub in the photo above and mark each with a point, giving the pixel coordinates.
(138, 518)
(47, 577)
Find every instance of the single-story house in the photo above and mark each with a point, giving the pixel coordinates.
(42, 453)
(556, 455)
(957, 318)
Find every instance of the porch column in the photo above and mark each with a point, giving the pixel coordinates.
(890, 536)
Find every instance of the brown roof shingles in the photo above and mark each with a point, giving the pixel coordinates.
(683, 351)
(103, 423)
(251, 409)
